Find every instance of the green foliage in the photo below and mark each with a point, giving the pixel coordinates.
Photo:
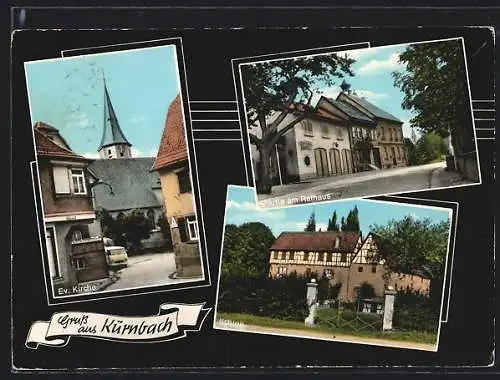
(165, 229)
(435, 87)
(414, 311)
(246, 250)
(127, 229)
(311, 223)
(351, 223)
(282, 298)
(411, 153)
(429, 148)
(410, 245)
(136, 227)
(332, 223)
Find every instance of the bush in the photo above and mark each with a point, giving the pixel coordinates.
(281, 298)
(413, 311)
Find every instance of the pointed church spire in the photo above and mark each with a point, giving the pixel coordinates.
(114, 144)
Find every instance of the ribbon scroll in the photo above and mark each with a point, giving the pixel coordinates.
(172, 322)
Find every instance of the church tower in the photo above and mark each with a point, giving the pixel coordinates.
(113, 143)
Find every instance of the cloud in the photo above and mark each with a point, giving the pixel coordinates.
(92, 155)
(136, 152)
(77, 120)
(245, 206)
(361, 53)
(376, 66)
(153, 152)
(370, 95)
(329, 92)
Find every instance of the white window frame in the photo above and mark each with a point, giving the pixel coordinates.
(282, 270)
(82, 188)
(192, 222)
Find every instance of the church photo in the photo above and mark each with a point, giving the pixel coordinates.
(114, 172)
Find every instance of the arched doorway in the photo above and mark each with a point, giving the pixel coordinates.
(336, 161)
(346, 153)
(321, 159)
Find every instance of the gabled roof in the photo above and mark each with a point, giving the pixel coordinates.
(350, 111)
(316, 241)
(41, 126)
(46, 147)
(131, 180)
(173, 148)
(371, 108)
(112, 133)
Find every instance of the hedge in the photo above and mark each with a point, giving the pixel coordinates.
(281, 298)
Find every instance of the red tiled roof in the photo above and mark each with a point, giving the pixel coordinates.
(316, 241)
(321, 112)
(46, 147)
(40, 125)
(173, 147)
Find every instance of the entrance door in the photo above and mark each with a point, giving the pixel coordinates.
(376, 157)
(335, 161)
(321, 159)
(394, 156)
(50, 241)
(346, 153)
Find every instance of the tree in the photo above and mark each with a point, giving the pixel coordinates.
(332, 223)
(136, 227)
(435, 87)
(165, 229)
(410, 151)
(284, 88)
(342, 223)
(429, 147)
(352, 221)
(311, 224)
(417, 246)
(246, 250)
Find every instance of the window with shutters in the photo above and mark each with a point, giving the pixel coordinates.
(192, 227)
(69, 180)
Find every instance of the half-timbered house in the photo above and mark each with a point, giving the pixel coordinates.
(343, 257)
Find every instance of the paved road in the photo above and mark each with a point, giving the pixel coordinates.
(363, 184)
(149, 269)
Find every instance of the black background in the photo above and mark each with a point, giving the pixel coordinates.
(468, 337)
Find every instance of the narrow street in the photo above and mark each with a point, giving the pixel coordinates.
(362, 184)
(148, 269)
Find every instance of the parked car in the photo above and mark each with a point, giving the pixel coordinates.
(116, 256)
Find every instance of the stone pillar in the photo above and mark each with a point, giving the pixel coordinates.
(311, 296)
(187, 255)
(390, 295)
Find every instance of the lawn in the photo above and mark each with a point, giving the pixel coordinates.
(406, 336)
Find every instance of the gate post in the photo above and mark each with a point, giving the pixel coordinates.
(312, 290)
(390, 295)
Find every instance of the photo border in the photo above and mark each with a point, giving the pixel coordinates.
(236, 62)
(446, 288)
(205, 281)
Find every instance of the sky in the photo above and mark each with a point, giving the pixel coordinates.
(373, 80)
(68, 93)
(241, 207)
